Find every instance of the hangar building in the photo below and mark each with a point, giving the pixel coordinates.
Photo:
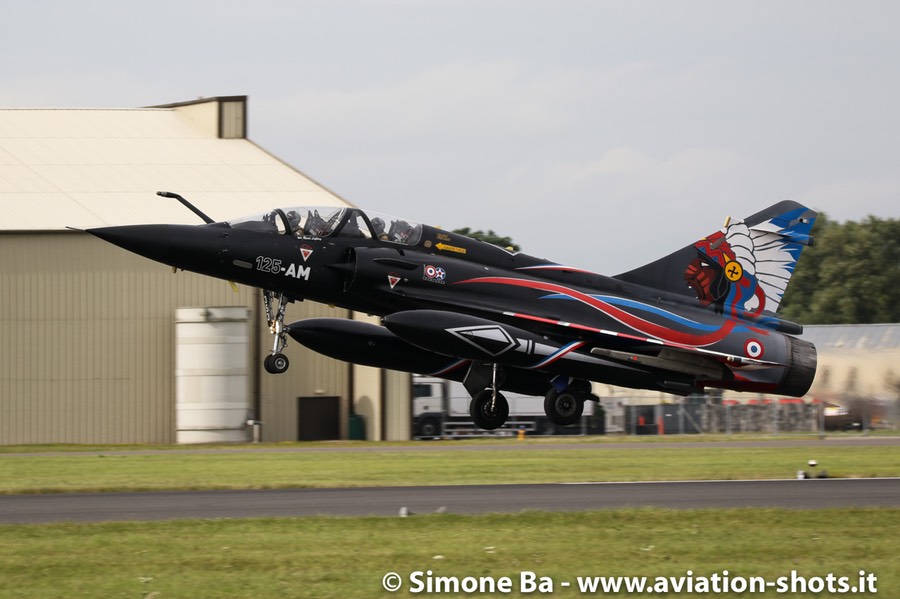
(88, 331)
(858, 362)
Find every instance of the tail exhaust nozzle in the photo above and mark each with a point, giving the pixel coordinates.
(801, 368)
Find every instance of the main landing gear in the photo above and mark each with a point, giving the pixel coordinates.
(489, 409)
(566, 407)
(276, 362)
(563, 408)
(563, 403)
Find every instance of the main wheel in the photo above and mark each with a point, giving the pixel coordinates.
(563, 408)
(276, 363)
(486, 417)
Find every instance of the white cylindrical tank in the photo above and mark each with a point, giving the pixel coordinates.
(211, 379)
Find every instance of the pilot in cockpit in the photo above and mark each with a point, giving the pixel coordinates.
(400, 231)
(378, 226)
(316, 225)
(294, 220)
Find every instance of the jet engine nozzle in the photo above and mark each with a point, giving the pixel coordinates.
(801, 369)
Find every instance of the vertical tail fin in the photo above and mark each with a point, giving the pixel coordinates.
(744, 267)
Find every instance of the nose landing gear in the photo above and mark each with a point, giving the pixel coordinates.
(276, 362)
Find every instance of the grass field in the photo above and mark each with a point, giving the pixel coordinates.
(169, 470)
(346, 558)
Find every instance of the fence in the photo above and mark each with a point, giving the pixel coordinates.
(692, 418)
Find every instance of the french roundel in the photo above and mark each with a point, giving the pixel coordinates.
(754, 349)
(430, 271)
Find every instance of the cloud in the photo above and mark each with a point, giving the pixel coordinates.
(451, 102)
(630, 173)
(509, 146)
(849, 199)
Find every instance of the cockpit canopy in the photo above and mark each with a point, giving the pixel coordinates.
(321, 222)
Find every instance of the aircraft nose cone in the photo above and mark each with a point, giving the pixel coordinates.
(150, 241)
(190, 247)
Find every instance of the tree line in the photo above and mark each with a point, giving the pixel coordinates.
(850, 275)
(490, 237)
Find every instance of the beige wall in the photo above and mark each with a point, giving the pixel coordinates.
(856, 373)
(204, 115)
(398, 405)
(384, 399)
(367, 399)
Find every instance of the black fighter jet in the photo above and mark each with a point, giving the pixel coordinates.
(466, 310)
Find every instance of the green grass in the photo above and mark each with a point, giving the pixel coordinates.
(487, 441)
(594, 462)
(483, 441)
(347, 557)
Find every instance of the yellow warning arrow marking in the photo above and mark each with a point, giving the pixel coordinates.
(450, 248)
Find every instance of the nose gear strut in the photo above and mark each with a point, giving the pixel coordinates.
(276, 362)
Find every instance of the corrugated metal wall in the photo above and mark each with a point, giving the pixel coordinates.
(310, 374)
(87, 345)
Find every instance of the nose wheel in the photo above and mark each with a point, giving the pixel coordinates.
(276, 362)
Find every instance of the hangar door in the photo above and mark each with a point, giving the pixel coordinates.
(318, 418)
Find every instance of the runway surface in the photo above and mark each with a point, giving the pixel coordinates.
(388, 501)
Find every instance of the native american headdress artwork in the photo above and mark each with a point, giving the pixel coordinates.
(744, 267)
(747, 267)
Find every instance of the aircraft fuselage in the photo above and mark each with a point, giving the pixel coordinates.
(458, 299)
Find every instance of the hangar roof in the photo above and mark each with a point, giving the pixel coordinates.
(95, 167)
(853, 336)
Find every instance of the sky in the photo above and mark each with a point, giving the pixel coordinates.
(597, 134)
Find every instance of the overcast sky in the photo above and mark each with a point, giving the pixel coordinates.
(598, 134)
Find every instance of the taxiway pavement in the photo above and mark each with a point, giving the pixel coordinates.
(457, 499)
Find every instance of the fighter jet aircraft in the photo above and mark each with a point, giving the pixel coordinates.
(463, 309)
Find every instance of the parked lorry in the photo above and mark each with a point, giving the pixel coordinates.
(441, 410)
